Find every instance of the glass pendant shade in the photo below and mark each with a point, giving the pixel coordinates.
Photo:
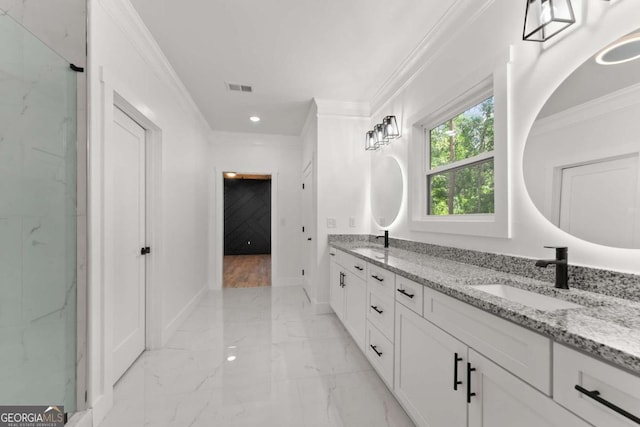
(380, 138)
(390, 127)
(370, 141)
(545, 18)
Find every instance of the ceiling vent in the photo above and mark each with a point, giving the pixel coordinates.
(236, 87)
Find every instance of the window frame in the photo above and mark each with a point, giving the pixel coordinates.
(428, 126)
(471, 90)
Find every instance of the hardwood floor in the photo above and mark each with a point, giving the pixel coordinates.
(247, 271)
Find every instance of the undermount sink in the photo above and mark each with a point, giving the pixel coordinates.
(371, 253)
(528, 298)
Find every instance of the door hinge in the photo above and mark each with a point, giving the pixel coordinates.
(85, 396)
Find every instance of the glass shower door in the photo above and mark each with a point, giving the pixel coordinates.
(37, 222)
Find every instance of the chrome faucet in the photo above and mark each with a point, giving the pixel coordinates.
(562, 266)
(386, 238)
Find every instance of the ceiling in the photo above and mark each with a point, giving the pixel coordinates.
(290, 51)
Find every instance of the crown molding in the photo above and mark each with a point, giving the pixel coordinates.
(129, 21)
(428, 49)
(618, 100)
(328, 107)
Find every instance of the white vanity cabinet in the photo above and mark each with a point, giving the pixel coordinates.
(450, 364)
(599, 385)
(347, 294)
(380, 317)
(441, 381)
(426, 363)
(502, 400)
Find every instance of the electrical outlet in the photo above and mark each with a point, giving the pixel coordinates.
(352, 222)
(331, 223)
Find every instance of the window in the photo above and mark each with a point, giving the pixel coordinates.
(460, 171)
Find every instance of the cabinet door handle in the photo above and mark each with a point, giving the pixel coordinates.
(595, 395)
(456, 359)
(341, 279)
(375, 349)
(469, 394)
(378, 278)
(357, 267)
(405, 293)
(375, 307)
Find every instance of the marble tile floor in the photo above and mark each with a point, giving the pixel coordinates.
(255, 357)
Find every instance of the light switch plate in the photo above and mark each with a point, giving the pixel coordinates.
(331, 223)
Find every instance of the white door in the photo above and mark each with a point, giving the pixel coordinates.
(502, 400)
(428, 362)
(307, 231)
(336, 293)
(355, 312)
(606, 189)
(125, 236)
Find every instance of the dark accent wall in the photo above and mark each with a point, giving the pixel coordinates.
(247, 216)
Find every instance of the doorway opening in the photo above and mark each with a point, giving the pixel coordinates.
(247, 230)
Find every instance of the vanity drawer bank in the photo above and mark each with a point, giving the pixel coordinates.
(464, 357)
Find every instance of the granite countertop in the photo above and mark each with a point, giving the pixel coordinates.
(605, 326)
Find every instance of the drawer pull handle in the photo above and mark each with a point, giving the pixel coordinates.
(469, 394)
(405, 293)
(332, 254)
(595, 395)
(378, 278)
(357, 267)
(375, 349)
(375, 307)
(456, 359)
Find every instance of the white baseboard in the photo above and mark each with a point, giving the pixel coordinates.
(101, 408)
(81, 419)
(286, 281)
(173, 326)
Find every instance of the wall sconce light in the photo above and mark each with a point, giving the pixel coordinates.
(390, 127)
(380, 138)
(370, 141)
(544, 19)
(382, 133)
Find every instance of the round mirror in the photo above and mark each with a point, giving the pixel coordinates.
(581, 160)
(386, 190)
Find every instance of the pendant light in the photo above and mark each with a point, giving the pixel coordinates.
(545, 18)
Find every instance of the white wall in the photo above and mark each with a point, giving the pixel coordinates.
(536, 70)
(124, 59)
(279, 156)
(341, 182)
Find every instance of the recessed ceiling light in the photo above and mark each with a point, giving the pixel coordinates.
(623, 50)
(254, 119)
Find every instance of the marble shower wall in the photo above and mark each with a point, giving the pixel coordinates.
(38, 108)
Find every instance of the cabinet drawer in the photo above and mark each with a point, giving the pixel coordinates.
(353, 264)
(381, 281)
(380, 312)
(409, 293)
(520, 351)
(614, 385)
(379, 351)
